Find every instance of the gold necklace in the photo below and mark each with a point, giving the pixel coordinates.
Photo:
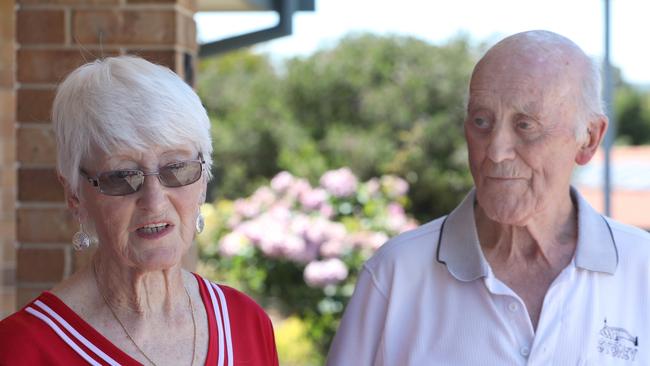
(189, 298)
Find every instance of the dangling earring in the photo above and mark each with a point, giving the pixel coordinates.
(200, 223)
(81, 240)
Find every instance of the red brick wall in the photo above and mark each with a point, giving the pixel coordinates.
(7, 160)
(54, 37)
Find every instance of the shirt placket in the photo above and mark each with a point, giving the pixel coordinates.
(550, 325)
(515, 316)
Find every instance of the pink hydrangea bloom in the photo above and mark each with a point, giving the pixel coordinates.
(326, 210)
(396, 217)
(326, 272)
(333, 248)
(263, 197)
(340, 182)
(246, 208)
(282, 181)
(410, 225)
(252, 229)
(314, 198)
(371, 240)
(394, 186)
(234, 243)
(373, 187)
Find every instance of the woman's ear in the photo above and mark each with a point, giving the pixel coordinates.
(595, 133)
(204, 190)
(71, 197)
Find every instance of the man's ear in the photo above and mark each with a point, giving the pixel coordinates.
(595, 132)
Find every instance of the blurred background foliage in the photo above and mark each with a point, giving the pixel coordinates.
(377, 104)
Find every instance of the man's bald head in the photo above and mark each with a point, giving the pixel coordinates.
(551, 58)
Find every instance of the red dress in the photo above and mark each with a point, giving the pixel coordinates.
(48, 332)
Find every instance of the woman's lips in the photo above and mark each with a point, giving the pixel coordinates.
(153, 231)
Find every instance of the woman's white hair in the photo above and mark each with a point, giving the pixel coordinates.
(125, 102)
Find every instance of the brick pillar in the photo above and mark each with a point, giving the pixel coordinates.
(54, 37)
(7, 160)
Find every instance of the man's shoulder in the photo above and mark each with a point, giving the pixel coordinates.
(410, 247)
(629, 239)
(627, 234)
(627, 231)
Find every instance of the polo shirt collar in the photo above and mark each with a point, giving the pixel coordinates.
(459, 248)
(596, 250)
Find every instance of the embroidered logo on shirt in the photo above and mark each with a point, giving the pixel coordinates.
(618, 343)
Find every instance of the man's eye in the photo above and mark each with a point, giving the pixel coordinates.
(524, 125)
(480, 122)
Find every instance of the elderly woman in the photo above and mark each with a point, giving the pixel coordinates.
(134, 159)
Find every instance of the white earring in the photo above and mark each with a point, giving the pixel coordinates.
(200, 223)
(80, 240)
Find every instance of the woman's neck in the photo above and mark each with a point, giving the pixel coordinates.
(147, 293)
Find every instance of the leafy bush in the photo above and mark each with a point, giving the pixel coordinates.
(377, 104)
(298, 249)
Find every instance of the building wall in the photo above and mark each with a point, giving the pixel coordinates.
(7, 159)
(53, 37)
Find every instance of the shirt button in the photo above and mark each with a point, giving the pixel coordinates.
(513, 306)
(524, 351)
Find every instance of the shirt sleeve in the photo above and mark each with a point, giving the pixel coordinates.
(272, 352)
(358, 339)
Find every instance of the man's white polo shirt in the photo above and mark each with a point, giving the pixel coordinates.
(429, 297)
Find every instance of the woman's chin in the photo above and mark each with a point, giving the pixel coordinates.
(158, 259)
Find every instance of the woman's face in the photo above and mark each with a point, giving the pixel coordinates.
(152, 228)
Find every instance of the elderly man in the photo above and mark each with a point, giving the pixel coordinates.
(523, 271)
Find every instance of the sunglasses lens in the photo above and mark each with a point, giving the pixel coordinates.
(120, 182)
(181, 173)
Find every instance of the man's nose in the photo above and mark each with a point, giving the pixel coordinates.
(501, 144)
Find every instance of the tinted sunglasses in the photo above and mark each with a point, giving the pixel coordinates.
(127, 181)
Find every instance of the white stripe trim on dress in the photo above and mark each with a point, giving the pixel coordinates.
(217, 315)
(61, 334)
(226, 322)
(76, 334)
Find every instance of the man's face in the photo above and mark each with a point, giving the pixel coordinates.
(520, 131)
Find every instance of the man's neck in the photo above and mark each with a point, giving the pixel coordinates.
(528, 258)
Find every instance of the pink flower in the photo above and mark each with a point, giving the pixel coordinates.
(313, 198)
(410, 225)
(394, 186)
(252, 229)
(295, 249)
(233, 244)
(272, 241)
(246, 208)
(339, 183)
(263, 197)
(279, 213)
(299, 224)
(373, 187)
(327, 272)
(322, 230)
(336, 231)
(371, 240)
(297, 188)
(376, 240)
(326, 210)
(282, 181)
(333, 248)
(396, 217)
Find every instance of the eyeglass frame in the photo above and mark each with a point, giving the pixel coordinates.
(95, 180)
